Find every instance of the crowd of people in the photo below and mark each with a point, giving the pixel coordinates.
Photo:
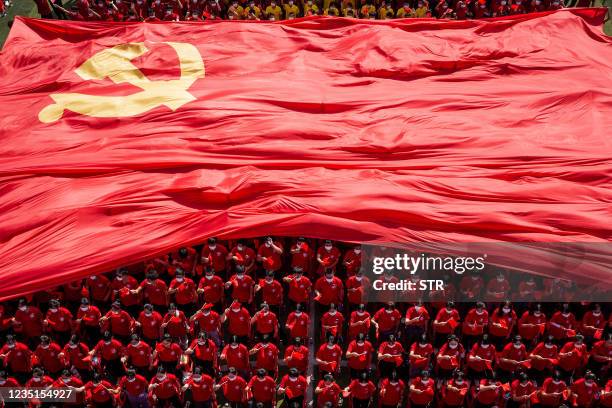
(265, 321)
(199, 10)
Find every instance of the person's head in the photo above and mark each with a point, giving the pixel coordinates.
(484, 341)
(328, 378)
(231, 372)
(265, 338)
(596, 309)
(197, 373)
(3, 375)
(458, 376)
(423, 339)
(298, 308)
(360, 338)
(549, 341)
(517, 341)
(363, 377)
(331, 340)
(579, 339)
(393, 376)
(450, 305)
(298, 270)
(361, 308)
(269, 276)
(74, 340)
(161, 372)
(506, 308)
(44, 341)
(565, 308)
(22, 304)
(212, 242)
(293, 372)
(391, 339)
(134, 339)
(589, 378)
(328, 242)
(182, 252)
(10, 340)
(37, 372)
(480, 306)
(297, 341)
(148, 309)
(537, 309)
(116, 306)
(557, 376)
(54, 304)
(167, 339)
(180, 274)
(268, 241)
(265, 307)
(261, 373)
(500, 276)
(120, 273)
(240, 271)
(390, 306)
(453, 342)
(172, 308)
(425, 375)
(329, 274)
(332, 308)
(152, 274)
(234, 341)
(523, 378)
(107, 336)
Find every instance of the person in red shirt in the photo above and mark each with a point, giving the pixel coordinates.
(175, 323)
(532, 324)
(271, 292)
(233, 387)
(149, 321)
(17, 358)
(331, 323)
(28, 322)
(48, 355)
(75, 354)
(512, 357)
(327, 392)
(199, 389)
(573, 356)
(236, 355)
(263, 389)
(359, 322)
(269, 254)
(584, 391)
(601, 355)
(265, 322)
(475, 322)
(215, 255)
(361, 391)
(359, 356)
(185, 258)
(421, 392)
(420, 355)
(118, 322)
(480, 358)
(391, 391)
(204, 353)
(499, 287)
(99, 289)
(165, 388)
(242, 286)
(386, 321)
(552, 392)
(543, 359)
(297, 323)
(241, 254)
(299, 287)
(99, 392)
(239, 321)
(522, 391)
(134, 387)
(592, 321)
(352, 261)
(449, 357)
(293, 386)
(122, 287)
(155, 291)
(488, 392)
(329, 289)
(517, 7)
(328, 356)
(390, 356)
(167, 354)
(562, 324)
(266, 356)
(471, 286)
(327, 257)
(38, 380)
(88, 320)
(107, 353)
(415, 322)
(446, 322)
(454, 391)
(7, 381)
(59, 321)
(184, 291)
(212, 289)
(207, 321)
(301, 256)
(138, 355)
(501, 324)
(296, 356)
(606, 395)
(356, 287)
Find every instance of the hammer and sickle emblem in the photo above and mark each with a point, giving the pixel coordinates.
(114, 64)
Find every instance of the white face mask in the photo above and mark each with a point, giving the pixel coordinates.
(357, 251)
(23, 308)
(506, 310)
(517, 346)
(147, 313)
(161, 377)
(358, 278)
(66, 380)
(452, 345)
(179, 279)
(332, 312)
(327, 247)
(72, 346)
(239, 247)
(212, 247)
(53, 309)
(499, 278)
(45, 346)
(84, 307)
(197, 377)
(240, 275)
(201, 342)
(267, 244)
(206, 312)
(329, 279)
(548, 346)
(235, 310)
(209, 277)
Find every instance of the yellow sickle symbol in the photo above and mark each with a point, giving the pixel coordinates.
(114, 63)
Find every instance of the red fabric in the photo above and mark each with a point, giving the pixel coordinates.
(340, 135)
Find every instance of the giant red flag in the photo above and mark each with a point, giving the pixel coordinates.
(119, 142)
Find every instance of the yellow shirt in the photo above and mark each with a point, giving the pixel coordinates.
(345, 12)
(382, 13)
(275, 11)
(291, 9)
(238, 11)
(313, 7)
(331, 12)
(366, 10)
(403, 13)
(247, 11)
(421, 11)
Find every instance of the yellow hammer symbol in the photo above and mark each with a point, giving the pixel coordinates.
(114, 63)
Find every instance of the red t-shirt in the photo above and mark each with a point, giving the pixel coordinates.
(237, 357)
(242, 289)
(550, 386)
(330, 292)
(29, 321)
(213, 288)
(299, 289)
(215, 257)
(76, 356)
(155, 291)
(202, 390)
(89, 317)
(119, 323)
(263, 389)
(330, 393)
(167, 387)
(427, 391)
(331, 356)
(512, 353)
(421, 315)
(330, 258)
(139, 354)
(298, 324)
(543, 351)
(297, 357)
(486, 353)
(265, 323)
(150, 325)
(475, 322)
(271, 292)
(391, 392)
(445, 316)
(585, 394)
(387, 320)
(204, 352)
(362, 391)
(239, 322)
(233, 390)
(559, 324)
(49, 357)
(455, 397)
(364, 359)
(17, 358)
(266, 356)
(177, 324)
(294, 387)
(168, 354)
(576, 356)
(99, 287)
(396, 350)
(185, 291)
(355, 327)
(488, 396)
(246, 257)
(352, 262)
(425, 351)
(99, 392)
(109, 351)
(455, 356)
(301, 259)
(59, 320)
(273, 260)
(207, 322)
(333, 322)
(529, 325)
(136, 386)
